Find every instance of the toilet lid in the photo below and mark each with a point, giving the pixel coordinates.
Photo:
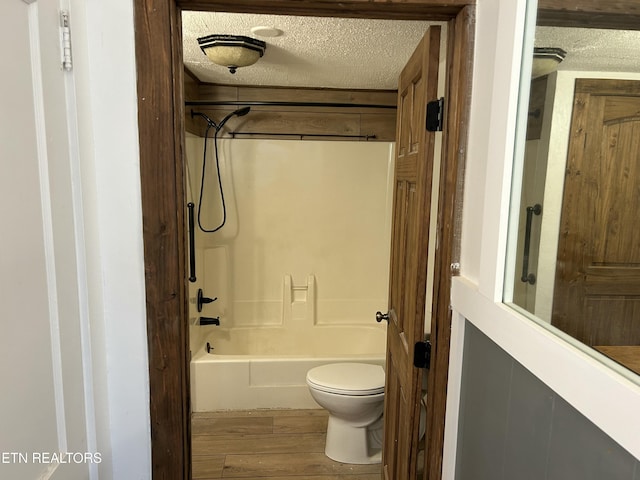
(348, 378)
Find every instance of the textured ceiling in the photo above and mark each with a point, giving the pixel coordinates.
(311, 52)
(592, 49)
(369, 54)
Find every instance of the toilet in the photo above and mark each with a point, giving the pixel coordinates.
(353, 394)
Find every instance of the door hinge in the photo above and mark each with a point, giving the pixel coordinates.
(65, 39)
(422, 354)
(455, 269)
(435, 113)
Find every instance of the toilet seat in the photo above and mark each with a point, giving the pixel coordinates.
(357, 379)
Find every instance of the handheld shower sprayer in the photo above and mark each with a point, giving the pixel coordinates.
(241, 112)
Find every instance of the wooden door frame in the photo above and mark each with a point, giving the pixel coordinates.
(160, 123)
(161, 127)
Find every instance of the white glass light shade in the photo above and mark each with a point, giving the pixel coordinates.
(232, 51)
(232, 56)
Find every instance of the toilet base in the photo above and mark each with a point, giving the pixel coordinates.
(347, 443)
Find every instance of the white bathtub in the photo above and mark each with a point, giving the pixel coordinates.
(262, 367)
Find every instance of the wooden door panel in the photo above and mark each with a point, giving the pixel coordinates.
(612, 280)
(397, 276)
(410, 316)
(618, 200)
(614, 317)
(391, 431)
(597, 290)
(621, 108)
(409, 254)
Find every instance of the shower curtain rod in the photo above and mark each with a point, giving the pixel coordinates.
(252, 103)
(301, 135)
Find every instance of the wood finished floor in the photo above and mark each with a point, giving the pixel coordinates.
(267, 444)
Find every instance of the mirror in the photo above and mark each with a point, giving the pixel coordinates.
(574, 244)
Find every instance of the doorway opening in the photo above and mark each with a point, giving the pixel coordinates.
(301, 262)
(165, 255)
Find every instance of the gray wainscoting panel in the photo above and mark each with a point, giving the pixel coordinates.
(529, 426)
(579, 449)
(484, 411)
(513, 427)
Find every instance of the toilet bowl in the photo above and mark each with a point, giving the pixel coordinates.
(353, 394)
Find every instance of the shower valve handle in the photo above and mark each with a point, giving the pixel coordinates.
(201, 299)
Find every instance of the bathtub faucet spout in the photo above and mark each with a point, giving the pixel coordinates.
(209, 321)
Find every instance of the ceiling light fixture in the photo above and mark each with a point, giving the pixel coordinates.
(232, 51)
(546, 60)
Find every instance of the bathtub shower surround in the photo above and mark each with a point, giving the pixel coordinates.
(305, 249)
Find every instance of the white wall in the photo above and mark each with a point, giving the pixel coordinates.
(106, 268)
(607, 398)
(105, 81)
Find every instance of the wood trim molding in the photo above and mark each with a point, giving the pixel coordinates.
(298, 122)
(615, 14)
(458, 97)
(191, 85)
(160, 113)
(391, 9)
(607, 87)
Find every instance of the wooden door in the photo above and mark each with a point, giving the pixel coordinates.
(46, 404)
(409, 253)
(597, 290)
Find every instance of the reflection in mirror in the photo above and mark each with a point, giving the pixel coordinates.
(574, 252)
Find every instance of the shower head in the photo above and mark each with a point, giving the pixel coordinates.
(241, 112)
